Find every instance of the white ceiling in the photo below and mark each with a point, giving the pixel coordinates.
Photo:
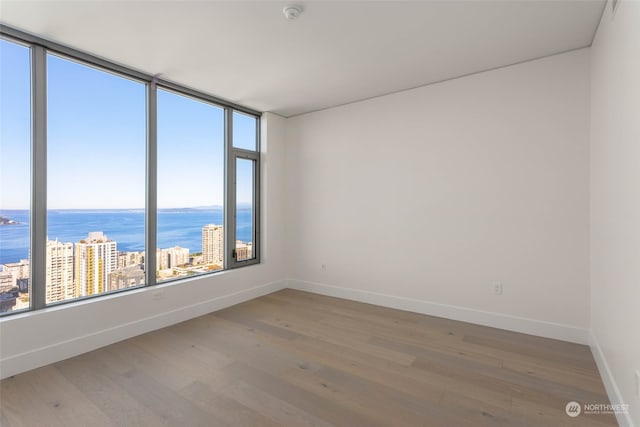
(336, 52)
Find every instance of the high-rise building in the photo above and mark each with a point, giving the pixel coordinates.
(126, 277)
(126, 259)
(96, 257)
(59, 271)
(6, 282)
(244, 250)
(172, 257)
(8, 292)
(19, 272)
(212, 244)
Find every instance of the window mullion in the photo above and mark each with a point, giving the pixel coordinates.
(151, 219)
(257, 191)
(38, 221)
(230, 193)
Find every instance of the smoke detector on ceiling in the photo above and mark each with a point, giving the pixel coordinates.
(292, 12)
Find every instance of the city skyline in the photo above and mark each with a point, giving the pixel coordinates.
(94, 266)
(175, 227)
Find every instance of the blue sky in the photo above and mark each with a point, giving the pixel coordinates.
(96, 138)
(15, 125)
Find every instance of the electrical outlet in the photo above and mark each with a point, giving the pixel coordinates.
(497, 288)
(637, 375)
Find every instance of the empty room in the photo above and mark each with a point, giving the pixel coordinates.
(363, 213)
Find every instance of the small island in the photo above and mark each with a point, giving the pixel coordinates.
(7, 221)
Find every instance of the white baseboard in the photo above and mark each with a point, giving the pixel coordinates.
(464, 314)
(610, 385)
(38, 357)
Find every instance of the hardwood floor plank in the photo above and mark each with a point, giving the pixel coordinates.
(22, 405)
(501, 379)
(246, 345)
(341, 337)
(270, 406)
(430, 386)
(461, 357)
(373, 405)
(137, 360)
(584, 379)
(222, 410)
(477, 412)
(68, 403)
(245, 318)
(163, 401)
(331, 410)
(93, 378)
(576, 357)
(364, 365)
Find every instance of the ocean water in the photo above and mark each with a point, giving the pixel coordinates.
(176, 227)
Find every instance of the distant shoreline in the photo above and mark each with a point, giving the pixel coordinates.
(8, 221)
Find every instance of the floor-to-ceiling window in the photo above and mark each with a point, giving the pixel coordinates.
(113, 180)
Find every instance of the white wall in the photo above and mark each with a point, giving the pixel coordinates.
(423, 199)
(34, 339)
(615, 202)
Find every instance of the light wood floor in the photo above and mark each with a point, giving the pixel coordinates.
(294, 358)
